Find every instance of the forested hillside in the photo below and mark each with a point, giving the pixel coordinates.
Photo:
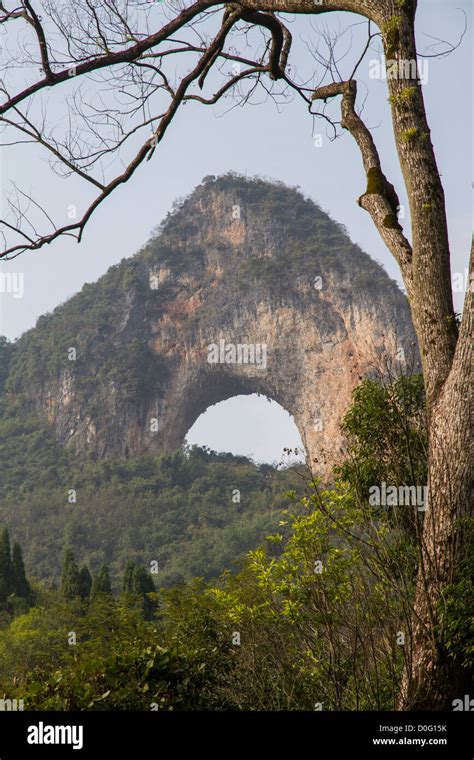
(314, 619)
(193, 512)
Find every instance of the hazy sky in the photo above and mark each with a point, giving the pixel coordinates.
(255, 140)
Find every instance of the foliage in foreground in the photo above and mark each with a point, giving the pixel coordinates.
(317, 617)
(287, 632)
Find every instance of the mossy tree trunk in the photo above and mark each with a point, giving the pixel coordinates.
(430, 680)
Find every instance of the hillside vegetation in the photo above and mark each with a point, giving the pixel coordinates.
(314, 618)
(193, 512)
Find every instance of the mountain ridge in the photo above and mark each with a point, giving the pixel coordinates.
(239, 259)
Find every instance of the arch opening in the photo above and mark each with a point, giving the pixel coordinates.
(251, 425)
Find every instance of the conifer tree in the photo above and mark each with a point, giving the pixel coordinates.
(101, 583)
(20, 582)
(7, 585)
(85, 583)
(70, 577)
(127, 586)
(142, 581)
(142, 586)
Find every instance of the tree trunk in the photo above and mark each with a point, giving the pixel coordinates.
(430, 680)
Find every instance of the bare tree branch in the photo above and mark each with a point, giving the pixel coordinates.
(380, 198)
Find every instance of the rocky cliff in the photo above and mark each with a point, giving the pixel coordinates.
(246, 287)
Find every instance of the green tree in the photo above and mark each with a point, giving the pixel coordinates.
(85, 583)
(7, 579)
(142, 581)
(21, 585)
(70, 577)
(138, 586)
(101, 583)
(144, 587)
(127, 586)
(386, 433)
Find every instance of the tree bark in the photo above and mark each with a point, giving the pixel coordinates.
(431, 680)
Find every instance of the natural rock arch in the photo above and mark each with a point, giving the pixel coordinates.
(249, 426)
(240, 262)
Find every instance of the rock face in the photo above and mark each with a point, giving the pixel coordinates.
(247, 287)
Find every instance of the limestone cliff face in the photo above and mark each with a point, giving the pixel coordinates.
(247, 287)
